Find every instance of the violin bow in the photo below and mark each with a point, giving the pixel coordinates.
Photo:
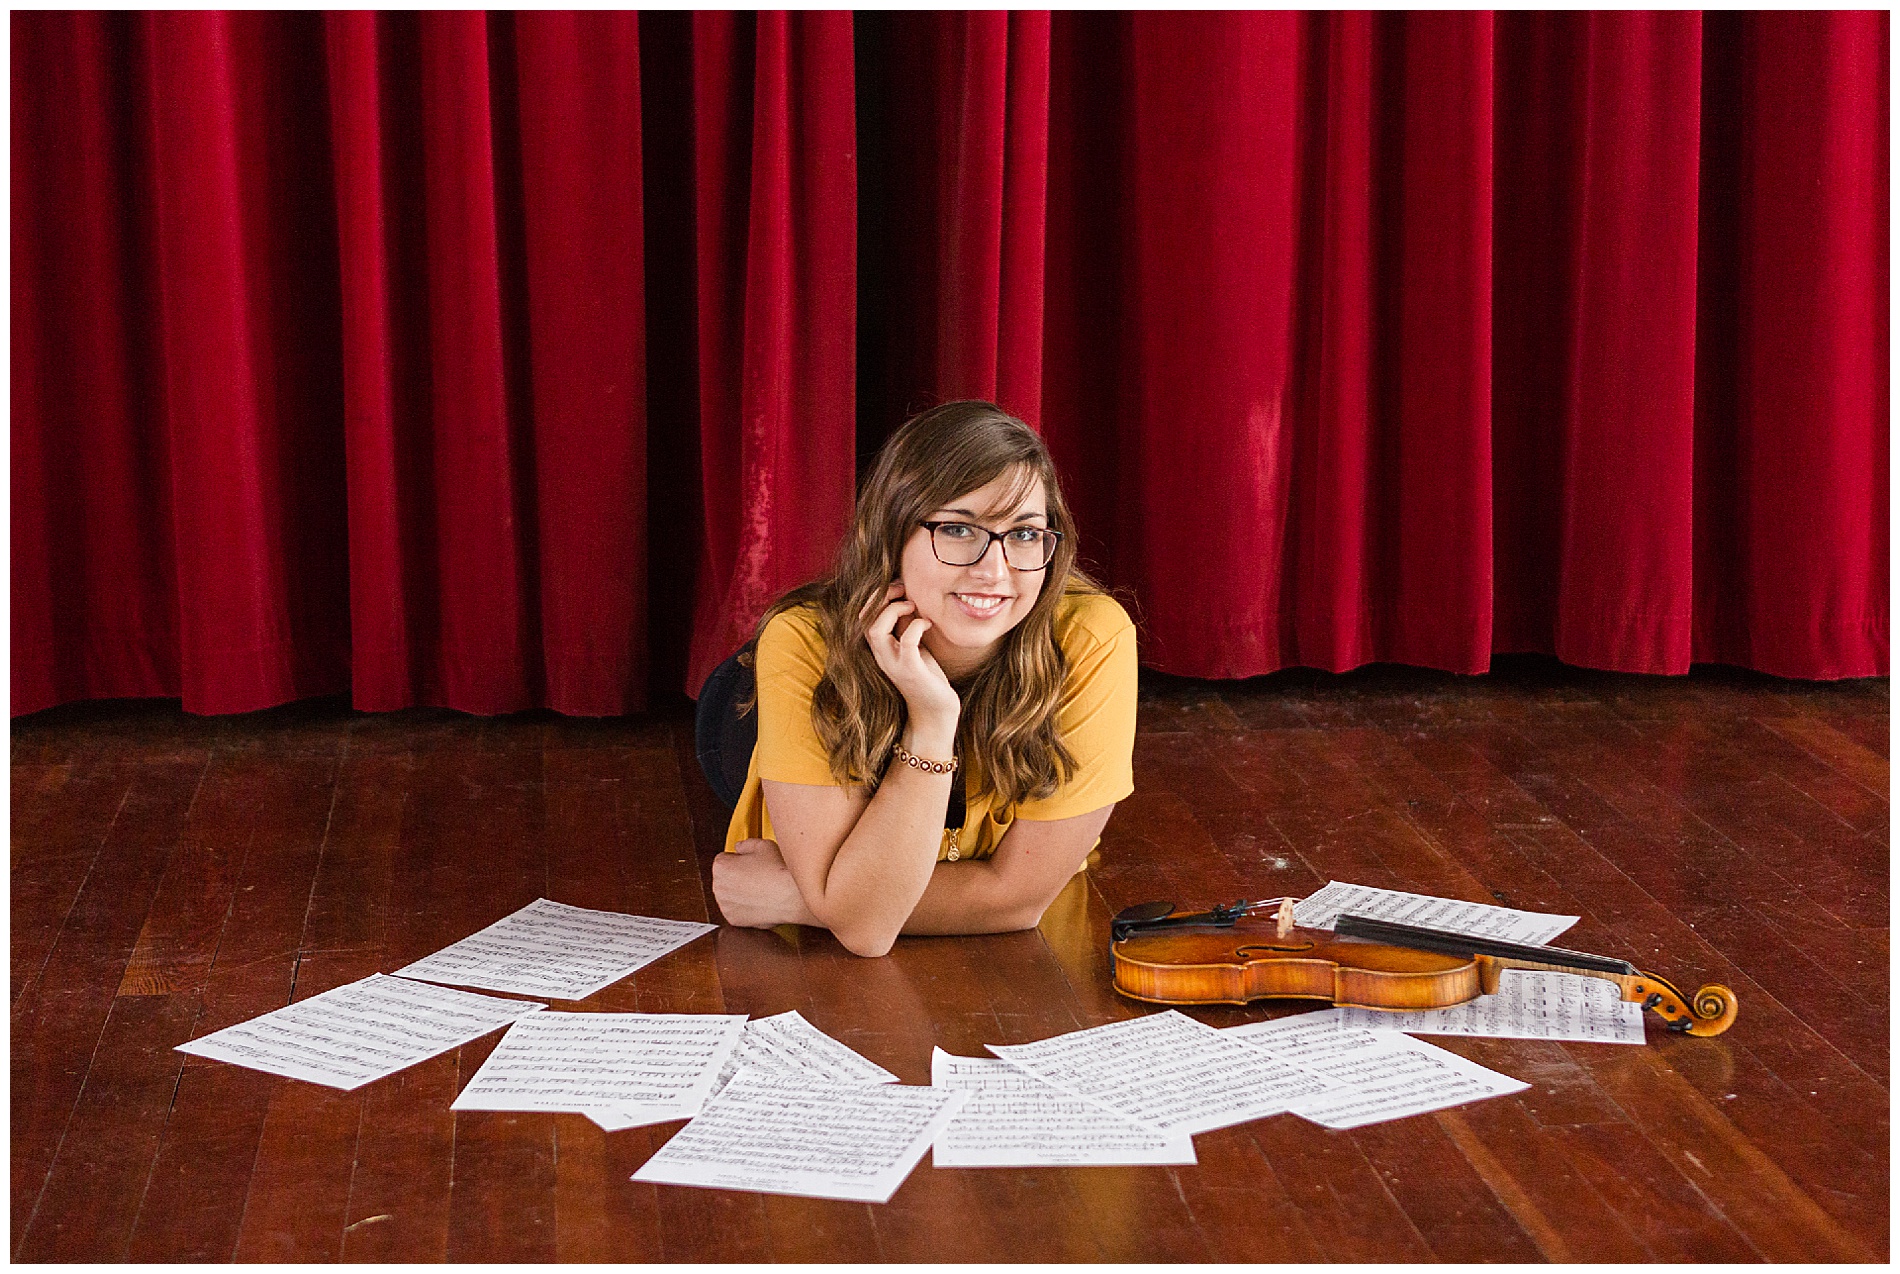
(1709, 1012)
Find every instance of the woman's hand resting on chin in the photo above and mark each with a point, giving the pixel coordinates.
(896, 639)
(755, 889)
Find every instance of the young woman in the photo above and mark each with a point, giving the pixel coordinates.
(954, 643)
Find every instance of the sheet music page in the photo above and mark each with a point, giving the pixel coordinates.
(1383, 1075)
(1477, 918)
(1530, 1004)
(551, 949)
(786, 1044)
(1012, 1119)
(781, 1135)
(1392, 1080)
(346, 1037)
(638, 1067)
(1311, 1039)
(1168, 1070)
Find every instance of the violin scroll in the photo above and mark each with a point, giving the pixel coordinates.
(1710, 1012)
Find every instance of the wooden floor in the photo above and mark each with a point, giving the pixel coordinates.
(172, 875)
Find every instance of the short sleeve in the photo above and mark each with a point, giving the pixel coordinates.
(1097, 716)
(789, 662)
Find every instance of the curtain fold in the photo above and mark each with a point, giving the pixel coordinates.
(1287, 430)
(776, 225)
(93, 598)
(578, 81)
(953, 124)
(1792, 391)
(488, 183)
(1599, 561)
(501, 361)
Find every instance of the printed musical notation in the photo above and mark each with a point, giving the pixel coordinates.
(1012, 1119)
(783, 1135)
(349, 1036)
(1319, 910)
(778, 1106)
(1530, 1004)
(551, 949)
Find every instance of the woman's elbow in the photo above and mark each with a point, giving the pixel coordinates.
(867, 942)
(1022, 916)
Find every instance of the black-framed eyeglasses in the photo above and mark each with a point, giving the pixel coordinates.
(1025, 548)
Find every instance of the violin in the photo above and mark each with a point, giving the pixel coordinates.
(1221, 956)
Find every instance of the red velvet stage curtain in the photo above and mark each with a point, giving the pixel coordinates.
(488, 184)
(1275, 321)
(776, 229)
(954, 139)
(499, 361)
(1416, 337)
(178, 469)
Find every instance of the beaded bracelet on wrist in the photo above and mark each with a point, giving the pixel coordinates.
(916, 762)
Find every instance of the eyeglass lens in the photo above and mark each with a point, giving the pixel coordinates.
(1026, 548)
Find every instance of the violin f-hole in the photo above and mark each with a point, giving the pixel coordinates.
(1265, 948)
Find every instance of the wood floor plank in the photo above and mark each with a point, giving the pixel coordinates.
(349, 907)
(61, 814)
(600, 1214)
(1534, 1179)
(1503, 872)
(1865, 723)
(701, 1225)
(1346, 1207)
(1161, 827)
(42, 897)
(487, 805)
(1075, 930)
(1846, 778)
(1239, 1204)
(1138, 1215)
(1674, 1219)
(1743, 1180)
(398, 1209)
(298, 1202)
(55, 1033)
(1841, 1095)
(299, 1194)
(620, 838)
(1143, 860)
(502, 1204)
(93, 1187)
(1738, 803)
(1838, 1166)
(190, 1210)
(239, 809)
(1173, 705)
(1562, 1094)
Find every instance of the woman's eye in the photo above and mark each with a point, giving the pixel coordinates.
(956, 530)
(1027, 535)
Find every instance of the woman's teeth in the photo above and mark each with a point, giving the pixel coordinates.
(976, 602)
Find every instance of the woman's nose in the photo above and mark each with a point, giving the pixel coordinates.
(991, 565)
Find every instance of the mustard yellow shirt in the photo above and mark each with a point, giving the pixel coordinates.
(1096, 718)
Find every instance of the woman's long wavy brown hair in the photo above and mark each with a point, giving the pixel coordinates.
(1007, 731)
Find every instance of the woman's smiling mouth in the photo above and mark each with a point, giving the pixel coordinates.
(980, 605)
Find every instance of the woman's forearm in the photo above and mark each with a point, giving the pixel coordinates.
(885, 865)
(973, 896)
(1010, 890)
